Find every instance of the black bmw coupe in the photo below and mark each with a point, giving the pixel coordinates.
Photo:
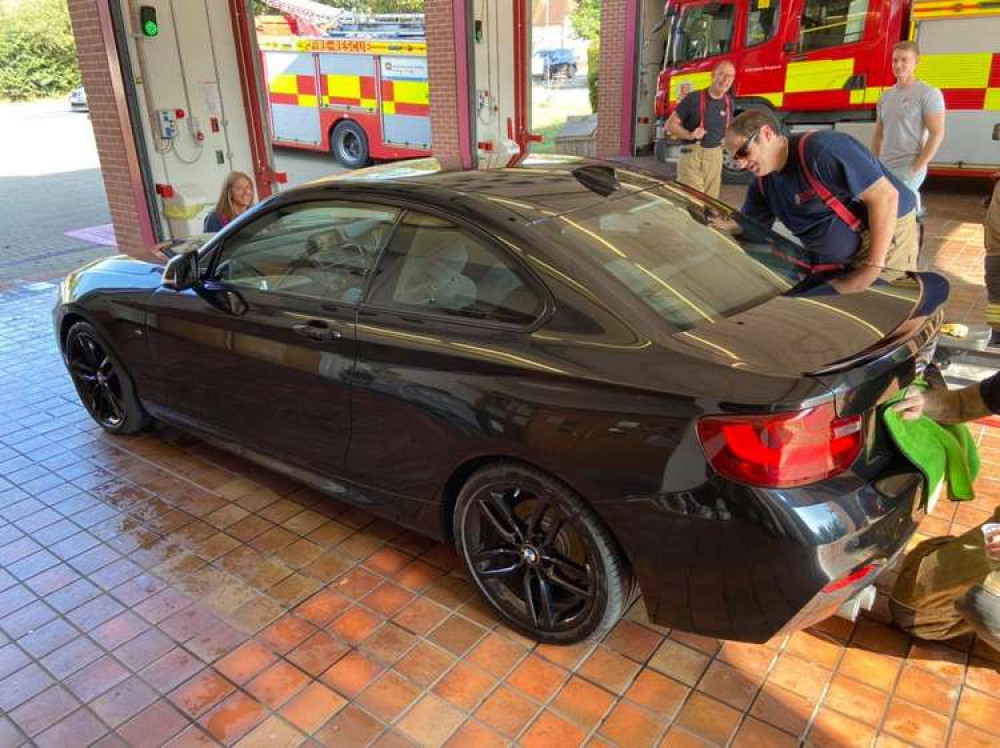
(567, 368)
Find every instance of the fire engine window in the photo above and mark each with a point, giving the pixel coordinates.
(762, 21)
(830, 23)
(703, 31)
(320, 250)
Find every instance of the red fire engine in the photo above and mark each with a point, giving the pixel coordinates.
(819, 63)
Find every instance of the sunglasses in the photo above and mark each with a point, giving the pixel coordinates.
(744, 150)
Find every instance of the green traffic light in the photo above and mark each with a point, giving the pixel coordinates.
(147, 19)
(150, 28)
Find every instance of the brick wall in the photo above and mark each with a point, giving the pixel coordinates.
(441, 71)
(611, 86)
(119, 164)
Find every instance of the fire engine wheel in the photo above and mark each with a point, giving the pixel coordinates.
(349, 145)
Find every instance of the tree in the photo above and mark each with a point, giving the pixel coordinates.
(586, 19)
(37, 50)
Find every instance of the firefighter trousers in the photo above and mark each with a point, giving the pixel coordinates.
(701, 168)
(991, 230)
(903, 250)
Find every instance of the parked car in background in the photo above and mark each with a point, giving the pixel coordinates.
(564, 368)
(550, 63)
(78, 100)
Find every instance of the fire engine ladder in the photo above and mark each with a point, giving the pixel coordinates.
(309, 11)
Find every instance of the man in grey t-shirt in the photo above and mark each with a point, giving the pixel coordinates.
(909, 125)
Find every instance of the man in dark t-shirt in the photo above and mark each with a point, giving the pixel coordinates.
(701, 118)
(832, 193)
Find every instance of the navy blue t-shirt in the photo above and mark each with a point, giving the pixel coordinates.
(846, 168)
(716, 119)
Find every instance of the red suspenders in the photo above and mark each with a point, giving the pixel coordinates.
(703, 94)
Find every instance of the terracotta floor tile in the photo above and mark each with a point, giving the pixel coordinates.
(678, 737)
(629, 725)
(244, 662)
(756, 734)
(351, 728)
(983, 675)
(277, 684)
(863, 703)
(48, 638)
(355, 625)
(799, 676)
(870, 668)
(416, 576)
(153, 726)
(496, 654)
(233, 718)
(506, 711)
(924, 688)
(963, 736)
(783, 709)
(356, 583)
(729, 685)
(201, 693)
(322, 607)
(680, 662)
(464, 686)
(171, 670)
(915, 725)
(71, 657)
(272, 733)
(352, 674)
(538, 678)
(583, 702)
(387, 599)
(312, 707)
(424, 664)
(980, 710)
(609, 670)
(817, 647)
(633, 640)
(123, 701)
(13, 659)
(431, 721)
(475, 735)
(317, 653)
(941, 660)
(286, 633)
(96, 678)
(551, 731)
(44, 710)
(703, 644)
(657, 693)
(388, 643)
(388, 696)
(457, 635)
(79, 729)
(144, 649)
(708, 718)
(568, 656)
(880, 638)
(834, 730)
(420, 616)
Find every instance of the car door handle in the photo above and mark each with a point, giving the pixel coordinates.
(314, 329)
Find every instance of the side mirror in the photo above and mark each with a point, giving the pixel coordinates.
(182, 272)
(996, 131)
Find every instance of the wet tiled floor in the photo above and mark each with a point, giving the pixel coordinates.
(156, 591)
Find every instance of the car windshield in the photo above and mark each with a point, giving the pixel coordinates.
(666, 250)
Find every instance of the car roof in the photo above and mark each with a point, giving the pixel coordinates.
(539, 188)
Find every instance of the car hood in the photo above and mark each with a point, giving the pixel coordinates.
(118, 273)
(821, 332)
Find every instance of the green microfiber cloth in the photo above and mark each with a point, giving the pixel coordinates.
(941, 452)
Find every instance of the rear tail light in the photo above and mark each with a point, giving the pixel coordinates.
(781, 450)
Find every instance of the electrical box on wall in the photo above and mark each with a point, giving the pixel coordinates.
(167, 119)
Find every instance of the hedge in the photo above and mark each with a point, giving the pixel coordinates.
(37, 52)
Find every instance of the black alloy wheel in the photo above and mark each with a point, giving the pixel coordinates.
(102, 382)
(539, 554)
(350, 145)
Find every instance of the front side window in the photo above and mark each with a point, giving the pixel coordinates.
(320, 250)
(702, 31)
(831, 23)
(762, 21)
(433, 265)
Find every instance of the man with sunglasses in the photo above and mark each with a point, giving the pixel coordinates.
(702, 117)
(830, 191)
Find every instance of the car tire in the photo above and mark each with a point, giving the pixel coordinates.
(539, 554)
(731, 174)
(349, 144)
(103, 383)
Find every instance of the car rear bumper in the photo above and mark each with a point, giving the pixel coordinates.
(734, 562)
